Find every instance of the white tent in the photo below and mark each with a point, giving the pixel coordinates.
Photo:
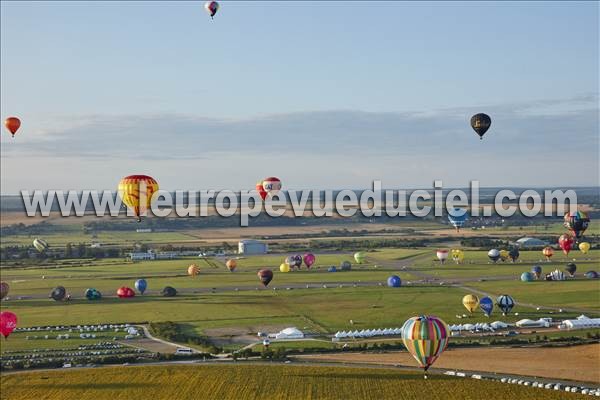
(499, 325)
(290, 333)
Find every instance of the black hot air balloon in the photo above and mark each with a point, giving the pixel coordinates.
(169, 291)
(571, 268)
(481, 123)
(58, 293)
(265, 275)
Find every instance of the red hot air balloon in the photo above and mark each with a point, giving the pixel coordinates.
(309, 259)
(272, 185)
(8, 323)
(125, 292)
(12, 124)
(265, 275)
(261, 190)
(211, 8)
(566, 243)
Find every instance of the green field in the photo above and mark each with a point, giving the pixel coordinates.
(256, 382)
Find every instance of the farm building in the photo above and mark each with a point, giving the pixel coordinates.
(252, 247)
(290, 333)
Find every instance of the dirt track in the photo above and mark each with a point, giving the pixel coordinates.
(578, 363)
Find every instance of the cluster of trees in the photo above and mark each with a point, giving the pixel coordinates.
(176, 333)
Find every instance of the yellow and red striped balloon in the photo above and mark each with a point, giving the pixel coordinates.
(425, 337)
(133, 187)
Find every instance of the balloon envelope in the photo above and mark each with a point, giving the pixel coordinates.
(527, 277)
(548, 252)
(537, 271)
(345, 266)
(457, 218)
(505, 303)
(125, 292)
(193, 270)
(577, 222)
(211, 8)
(481, 123)
(442, 255)
(271, 185)
(514, 254)
(12, 124)
(584, 247)
(141, 285)
(284, 268)
(136, 192)
(169, 291)
(231, 265)
(58, 293)
(566, 243)
(4, 288)
(592, 275)
(487, 305)
(470, 302)
(261, 190)
(265, 276)
(332, 269)
(571, 268)
(394, 281)
(40, 245)
(457, 255)
(309, 259)
(360, 256)
(93, 294)
(425, 337)
(494, 255)
(8, 323)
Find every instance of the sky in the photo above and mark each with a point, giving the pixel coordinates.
(321, 94)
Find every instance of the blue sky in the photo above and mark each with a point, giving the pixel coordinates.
(324, 95)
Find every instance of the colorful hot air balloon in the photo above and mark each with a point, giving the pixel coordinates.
(527, 277)
(231, 265)
(125, 292)
(345, 265)
(193, 270)
(548, 252)
(169, 291)
(457, 217)
(505, 303)
(141, 285)
(134, 189)
(565, 242)
(425, 337)
(40, 245)
(537, 271)
(514, 254)
(298, 261)
(4, 288)
(93, 294)
(309, 259)
(332, 269)
(12, 124)
(58, 293)
(265, 275)
(457, 255)
(584, 247)
(8, 323)
(261, 190)
(470, 302)
(557, 275)
(577, 222)
(571, 268)
(592, 275)
(291, 261)
(503, 255)
(360, 257)
(481, 123)
(284, 267)
(394, 281)
(271, 185)
(494, 255)
(487, 305)
(442, 255)
(211, 8)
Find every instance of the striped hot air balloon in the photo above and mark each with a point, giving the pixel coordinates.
(425, 337)
(577, 222)
(505, 303)
(136, 191)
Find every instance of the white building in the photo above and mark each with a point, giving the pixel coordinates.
(583, 323)
(252, 247)
(290, 333)
(528, 323)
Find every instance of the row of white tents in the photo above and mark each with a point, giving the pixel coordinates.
(368, 333)
(480, 326)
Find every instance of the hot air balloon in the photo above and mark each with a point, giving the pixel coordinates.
(487, 305)
(93, 294)
(261, 190)
(425, 337)
(548, 252)
(591, 275)
(211, 8)
(125, 292)
(571, 268)
(8, 323)
(298, 261)
(284, 267)
(565, 242)
(135, 187)
(457, 217)
(514, 254)
(442, 255)
(231, 265)
(457, 255)
(503, 255)
(346, 266)
(12, 124)
(494, 255)
(481, 123)
(537, 271)
(291, 261)
(394, 281)
(332, 269)
(505, 303)
(141, 285)
(470, 302)
(58, 293)
(4, 287)
(577, 222)
(309, 259)
(169, 291)
(584, 247)
(193, 270)
(557, 275)
(265, 275)
(271, 185)
(40, 245)
(527, 277)
(360, 257)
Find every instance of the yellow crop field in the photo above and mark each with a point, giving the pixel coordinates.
(256, 381)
